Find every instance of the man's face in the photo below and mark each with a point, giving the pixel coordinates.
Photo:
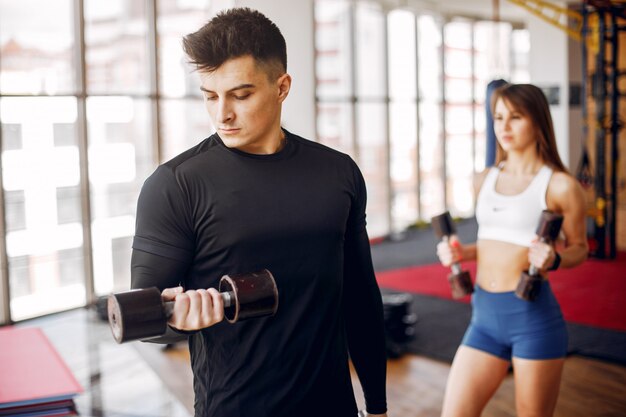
(245, 105)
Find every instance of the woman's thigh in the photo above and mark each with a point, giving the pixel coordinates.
(537, 384)
(474, 377)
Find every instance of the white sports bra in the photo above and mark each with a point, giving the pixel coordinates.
(511, 218)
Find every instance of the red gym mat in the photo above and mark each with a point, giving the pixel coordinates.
(593, 293)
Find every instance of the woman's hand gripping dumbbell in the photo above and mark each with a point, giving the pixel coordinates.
(540, 254)
(449, 251)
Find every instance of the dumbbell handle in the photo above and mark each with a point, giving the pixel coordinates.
(456, 266)
(533, 270)
(228, 297)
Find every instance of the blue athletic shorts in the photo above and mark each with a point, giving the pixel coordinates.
(506, 326)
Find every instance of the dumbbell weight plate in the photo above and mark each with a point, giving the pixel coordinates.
(136, 314)
(255, 295)
(528, 286)
(461, 284)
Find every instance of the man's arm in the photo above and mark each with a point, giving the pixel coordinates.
(163, 250)
(363, 309)
(193, 309)
(363, 306)
(148, 270)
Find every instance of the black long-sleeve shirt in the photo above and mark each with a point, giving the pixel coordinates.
(300, 213)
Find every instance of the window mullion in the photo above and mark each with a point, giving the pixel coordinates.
(155, 92)
(83, 146)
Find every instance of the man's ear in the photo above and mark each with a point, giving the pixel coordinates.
(284, 85)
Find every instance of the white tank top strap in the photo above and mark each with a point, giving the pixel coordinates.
(541, 181)
(490, 178)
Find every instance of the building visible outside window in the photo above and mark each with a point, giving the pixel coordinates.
(184, 122)
(42, 109)
(40, 158)
(416, 124)
(87, 112)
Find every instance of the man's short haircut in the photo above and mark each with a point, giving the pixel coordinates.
(234, 33)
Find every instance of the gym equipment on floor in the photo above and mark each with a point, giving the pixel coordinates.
(399, 323)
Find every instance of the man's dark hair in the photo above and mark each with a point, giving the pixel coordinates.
(234, 33)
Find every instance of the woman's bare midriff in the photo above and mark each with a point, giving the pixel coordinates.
(500, 265)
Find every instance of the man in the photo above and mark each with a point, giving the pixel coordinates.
(255, 196)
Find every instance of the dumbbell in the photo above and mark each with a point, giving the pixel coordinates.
(142, 313)
(460, 281)
(548, 230)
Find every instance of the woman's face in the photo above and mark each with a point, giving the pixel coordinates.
(514, 130)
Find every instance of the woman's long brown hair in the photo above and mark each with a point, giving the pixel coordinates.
(530, 101)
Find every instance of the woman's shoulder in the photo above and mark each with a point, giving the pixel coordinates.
(563, 182)
(563, 187)
(479, 178)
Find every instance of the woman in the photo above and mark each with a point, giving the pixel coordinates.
(528, 177)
